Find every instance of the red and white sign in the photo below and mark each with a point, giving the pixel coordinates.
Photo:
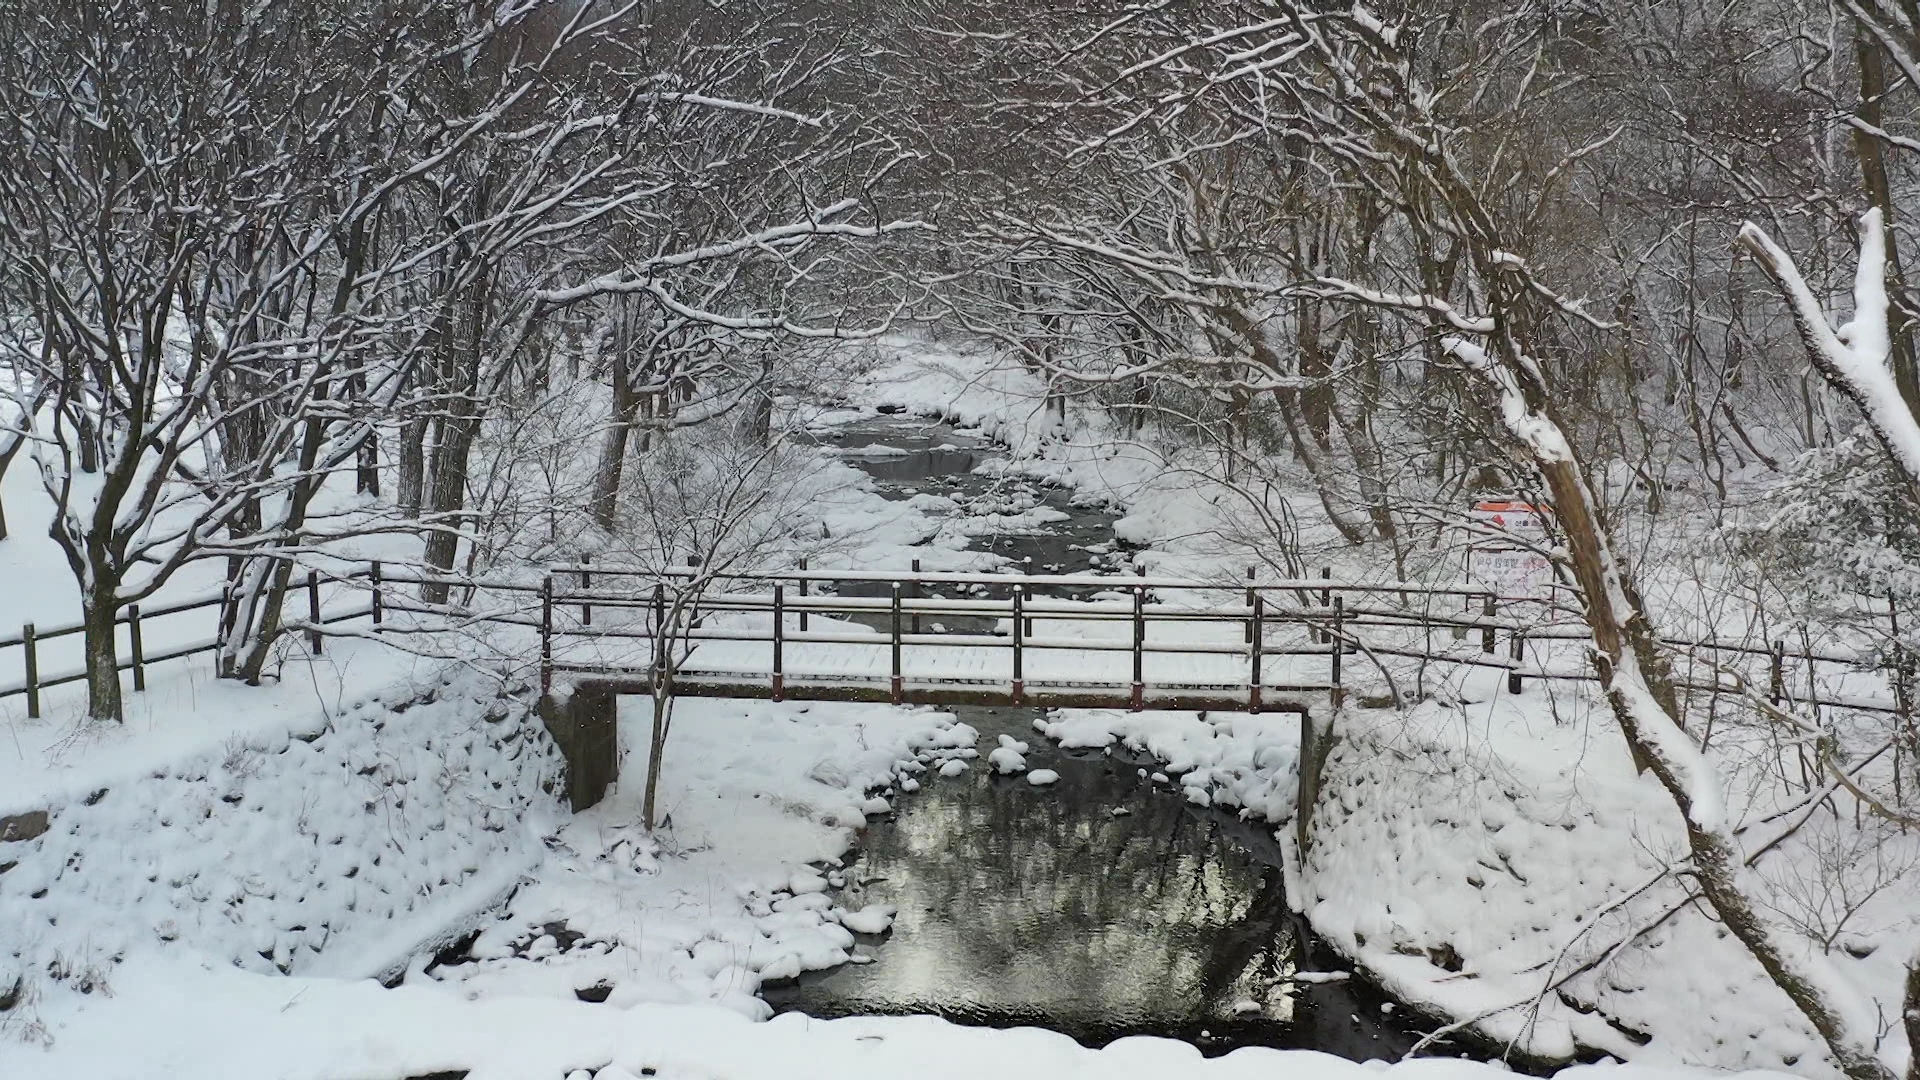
(1515, 573)
(1521, 519)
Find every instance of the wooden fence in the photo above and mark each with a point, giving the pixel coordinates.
(1338, 617)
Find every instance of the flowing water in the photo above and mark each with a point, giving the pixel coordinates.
(1102, 905)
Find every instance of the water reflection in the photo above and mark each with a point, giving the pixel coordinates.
(1024, 905)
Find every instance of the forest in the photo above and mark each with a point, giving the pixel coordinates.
(476, 290)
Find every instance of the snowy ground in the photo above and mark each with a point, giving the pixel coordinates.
(227, 1025)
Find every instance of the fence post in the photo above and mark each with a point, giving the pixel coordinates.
(546, 634)
(1256, 634)
(1337, 692)
(1027, 565)
(586, 584)
(779, 622)
(1250, 602)
(693, 612)
(803, 595)
(134, 647)
(373, 575)
(1517, 650)
(1019, 659)
(1488, 608)
(313, 612)
(1139, 645)
(1777, 677)
(915, 587)
(31, 655)
(1326, 598)
(897, 690)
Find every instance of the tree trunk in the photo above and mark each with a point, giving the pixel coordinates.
(759, 421)
(657, 744)
(413, 466)
(447, 493)
(1911, 1013)
(613, 451)
(6, 459)
(98, 608)
(1879, 190)
(1642, 697)
(1316, 398)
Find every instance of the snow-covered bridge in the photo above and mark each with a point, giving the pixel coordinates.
(970, 638)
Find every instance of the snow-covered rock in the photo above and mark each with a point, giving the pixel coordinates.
(1006, 761)
(872, 919)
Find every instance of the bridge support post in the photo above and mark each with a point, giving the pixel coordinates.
(584, 725)
(1316, 744)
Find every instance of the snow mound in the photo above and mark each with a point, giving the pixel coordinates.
(872, 919)
(759, 804)
(1042, 777)
(335, 848)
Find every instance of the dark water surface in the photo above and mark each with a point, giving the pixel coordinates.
(1024, 905)
(1100, 906)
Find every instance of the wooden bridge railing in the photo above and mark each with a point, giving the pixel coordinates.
(562, 609)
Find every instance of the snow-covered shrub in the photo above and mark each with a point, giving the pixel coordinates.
(1840, 530)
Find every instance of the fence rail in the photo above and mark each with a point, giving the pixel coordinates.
(1336, 628)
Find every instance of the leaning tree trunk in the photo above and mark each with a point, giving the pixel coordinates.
(1912, 1016)
(1642, 698)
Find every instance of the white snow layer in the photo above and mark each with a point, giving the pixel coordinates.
(336, 847)
(229, 1025)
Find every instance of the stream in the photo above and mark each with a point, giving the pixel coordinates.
(1101, 906)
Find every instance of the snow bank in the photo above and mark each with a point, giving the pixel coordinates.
(1491, 864)
(1233, 760)
(760, 803)
(227, 1025)
(1483, 861)
(334, 846)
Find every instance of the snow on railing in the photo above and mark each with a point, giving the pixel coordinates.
(1320, 605)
